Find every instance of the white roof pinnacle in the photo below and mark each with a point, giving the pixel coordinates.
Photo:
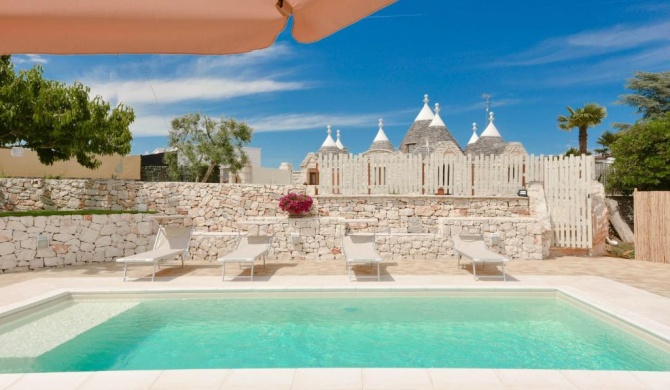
(426, 114)
(437, 121)
(491, 130)
(381, 136)
(329, 140)
(474, 136)
(338, 143)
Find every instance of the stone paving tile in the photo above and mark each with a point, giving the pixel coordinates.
(652, 277)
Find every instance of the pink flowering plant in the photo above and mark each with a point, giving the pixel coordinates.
(295, 203)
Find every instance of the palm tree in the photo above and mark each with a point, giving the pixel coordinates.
(572, 151)
(582, 118)
(606, 139)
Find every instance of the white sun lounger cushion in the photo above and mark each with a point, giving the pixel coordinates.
(249, 248)
(360, 249)
(171, 241)
(474, 248)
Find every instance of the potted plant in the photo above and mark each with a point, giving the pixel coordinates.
(295, 204)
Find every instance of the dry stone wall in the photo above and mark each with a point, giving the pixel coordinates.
(408, 227)
(71, 239)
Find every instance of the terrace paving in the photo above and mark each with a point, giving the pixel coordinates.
(613, 285)
(652, 277)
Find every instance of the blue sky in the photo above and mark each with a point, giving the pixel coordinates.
(533, 57)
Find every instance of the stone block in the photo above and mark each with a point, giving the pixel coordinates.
(99, 257)
(20, 236)
(40, 222)
(60, 237)
(88, 235)
(424, 211)
(123, 230)
(53, 262)
(60, 248)
(36, 263)
(16, 225)
(45, 252)
(26, 254)
(8, 262)
(69, 227)
(108, 230)
(6, 248)
(27, 221)
(144, 228)
(103, 241)
(113, 252)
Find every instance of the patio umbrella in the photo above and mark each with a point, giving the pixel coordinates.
(169, 26)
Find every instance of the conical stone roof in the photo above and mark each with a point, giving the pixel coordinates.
(486, 146)
(381, 142)
(491, 130)
(424, 135)
(514, 149)
(339, 144)
(439, 134)
(490, 142)
(329, 146)
(474, 136)
(419, 128)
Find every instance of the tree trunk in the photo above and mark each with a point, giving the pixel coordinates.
(621, 227)
(210, 168)
(583, 134)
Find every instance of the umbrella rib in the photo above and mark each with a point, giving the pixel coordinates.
(285, 9)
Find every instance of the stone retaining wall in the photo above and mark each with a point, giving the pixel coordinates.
(420, 225)
(71, 239)
(76, 240)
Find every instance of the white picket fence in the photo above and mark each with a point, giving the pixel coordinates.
(566, 182)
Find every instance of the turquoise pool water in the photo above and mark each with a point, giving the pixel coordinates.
(322, 331)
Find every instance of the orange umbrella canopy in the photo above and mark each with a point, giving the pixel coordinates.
(169, 26)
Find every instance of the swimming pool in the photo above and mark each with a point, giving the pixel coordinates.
(279, 330)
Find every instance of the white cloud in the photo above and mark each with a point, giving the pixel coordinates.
(150, 125)
(193, 78)
(233, 63)
(29, 58)
(591, 43)
(156, 125)
(284, 122)
(137, 92)
(614, 69)
(622, 37)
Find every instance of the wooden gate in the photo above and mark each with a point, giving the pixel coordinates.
(567, 182)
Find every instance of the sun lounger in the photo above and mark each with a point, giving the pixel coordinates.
(171, 241)
(474, 248)
(360, 249)
(249, 248)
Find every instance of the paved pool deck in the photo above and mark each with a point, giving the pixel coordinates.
(634, 291)
(649, 276)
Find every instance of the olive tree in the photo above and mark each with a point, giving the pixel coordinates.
(59, 121)
(198, 141)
